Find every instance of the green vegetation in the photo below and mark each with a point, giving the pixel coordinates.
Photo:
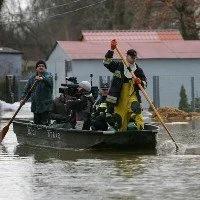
(197, 104)
(183, 103)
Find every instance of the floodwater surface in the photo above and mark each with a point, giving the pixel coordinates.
(28, 173)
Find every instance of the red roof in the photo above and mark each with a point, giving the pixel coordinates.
(185, 49)
(146, 49)
(131, 35)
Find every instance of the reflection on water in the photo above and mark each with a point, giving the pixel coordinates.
(42, 173)
(45, 154)
(16, 176)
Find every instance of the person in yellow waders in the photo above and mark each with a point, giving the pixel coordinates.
(123, 99)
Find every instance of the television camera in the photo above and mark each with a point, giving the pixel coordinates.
(70, 89)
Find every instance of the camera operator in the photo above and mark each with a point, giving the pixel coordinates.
(60, 110)
(82, 106)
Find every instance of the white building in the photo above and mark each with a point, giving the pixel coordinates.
(164, 54)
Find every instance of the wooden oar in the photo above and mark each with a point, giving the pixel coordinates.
(6, 128)
(147, 97)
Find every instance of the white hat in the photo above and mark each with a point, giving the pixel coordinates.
(85, 85)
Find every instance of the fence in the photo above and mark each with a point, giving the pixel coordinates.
(166, 90)
(163, 90)
(11, 88)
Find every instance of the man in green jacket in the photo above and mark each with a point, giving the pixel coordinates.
(41, 97)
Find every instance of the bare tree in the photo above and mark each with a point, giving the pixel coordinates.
(35, 29)
(181, 14)
(1, 3)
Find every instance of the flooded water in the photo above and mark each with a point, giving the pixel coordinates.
(39, 173)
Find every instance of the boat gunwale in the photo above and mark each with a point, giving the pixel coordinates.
(26, 122)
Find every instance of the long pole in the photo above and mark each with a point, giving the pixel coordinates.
(147, 97)
(6, 128)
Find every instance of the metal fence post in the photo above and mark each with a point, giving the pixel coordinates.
(156, 91)
(9, 89)
(11, 85)
(192, 94)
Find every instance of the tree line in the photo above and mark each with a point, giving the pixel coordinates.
(33, 29)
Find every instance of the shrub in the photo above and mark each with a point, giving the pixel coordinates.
(183, 103)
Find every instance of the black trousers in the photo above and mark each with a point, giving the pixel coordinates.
(42, 118)
(86, 124)
(99, 124)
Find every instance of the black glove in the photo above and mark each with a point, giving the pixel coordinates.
(109, 54)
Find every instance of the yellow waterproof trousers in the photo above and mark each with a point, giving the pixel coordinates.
(123, 107)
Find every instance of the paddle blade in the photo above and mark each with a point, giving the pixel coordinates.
(3, 132)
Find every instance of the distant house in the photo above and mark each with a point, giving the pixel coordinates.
(167, 60)
(10, 62)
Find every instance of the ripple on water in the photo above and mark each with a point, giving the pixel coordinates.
(56, 174)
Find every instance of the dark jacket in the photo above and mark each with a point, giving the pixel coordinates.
(60, 110)
(82, 108)
(98, 119)
(41, 97)
(100, 99)
(99, 106)
(117, 68)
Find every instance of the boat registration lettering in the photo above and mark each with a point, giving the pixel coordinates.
(52, 134)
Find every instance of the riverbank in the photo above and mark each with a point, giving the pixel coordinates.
(170, 114)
